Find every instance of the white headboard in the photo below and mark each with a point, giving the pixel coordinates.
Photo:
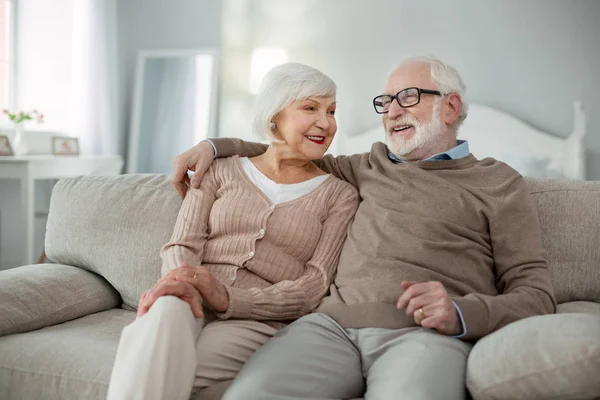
(494, 133)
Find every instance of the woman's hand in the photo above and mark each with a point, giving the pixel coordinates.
(212, 291)
(184, 291)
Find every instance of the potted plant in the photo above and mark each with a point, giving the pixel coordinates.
(19, 118)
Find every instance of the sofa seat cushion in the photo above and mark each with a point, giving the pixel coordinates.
(543, 357)
(70, 361)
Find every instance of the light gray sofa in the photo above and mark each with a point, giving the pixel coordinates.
(60, 322)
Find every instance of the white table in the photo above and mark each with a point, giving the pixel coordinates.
(28, 169)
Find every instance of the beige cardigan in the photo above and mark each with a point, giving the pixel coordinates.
(276, 261)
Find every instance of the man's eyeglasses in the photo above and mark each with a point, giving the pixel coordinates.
(406, 98)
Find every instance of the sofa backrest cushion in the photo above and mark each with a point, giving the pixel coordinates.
(569, 213)
(113, 226)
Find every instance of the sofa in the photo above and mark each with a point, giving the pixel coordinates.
(60, 321)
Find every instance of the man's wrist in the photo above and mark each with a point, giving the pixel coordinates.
(212, 145)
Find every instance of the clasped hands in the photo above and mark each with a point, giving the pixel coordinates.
(190, 284)
(430, 306)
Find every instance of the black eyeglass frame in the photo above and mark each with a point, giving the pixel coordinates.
(395, 96)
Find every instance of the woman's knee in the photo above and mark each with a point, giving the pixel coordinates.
(167, 314)
(170, 307)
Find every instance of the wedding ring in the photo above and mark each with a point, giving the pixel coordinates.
(194, 276)
(422, 313)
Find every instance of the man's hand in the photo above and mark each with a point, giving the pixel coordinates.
(212, 291)
(430, 306)
(184, 291)
(198, 159)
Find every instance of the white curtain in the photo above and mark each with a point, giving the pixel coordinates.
(95, 79)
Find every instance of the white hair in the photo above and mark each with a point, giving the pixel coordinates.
(447, 80)
(282, 86)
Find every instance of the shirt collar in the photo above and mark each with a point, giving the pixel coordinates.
(459, 151)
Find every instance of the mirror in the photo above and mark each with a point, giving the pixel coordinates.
(174, 107)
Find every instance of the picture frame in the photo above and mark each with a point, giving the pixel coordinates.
(5, 147)
(65, 146)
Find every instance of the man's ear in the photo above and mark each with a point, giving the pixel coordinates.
(453, 108)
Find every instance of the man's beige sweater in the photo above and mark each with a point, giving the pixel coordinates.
(469, 224)
(276, 261)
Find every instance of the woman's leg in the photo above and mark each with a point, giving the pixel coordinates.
(155, 357)
(223, 348)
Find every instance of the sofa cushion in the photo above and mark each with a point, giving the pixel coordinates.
(585, 307)
(543, 357)
(70, 361)
(35, 296)
(569, 212)
(113, 226)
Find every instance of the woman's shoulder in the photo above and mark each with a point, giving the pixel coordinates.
(224, 170)
(225, 165)
(226, 162)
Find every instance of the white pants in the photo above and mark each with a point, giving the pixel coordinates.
(168, 352)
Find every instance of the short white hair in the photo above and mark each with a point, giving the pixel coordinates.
(282, 86)
(446, 78)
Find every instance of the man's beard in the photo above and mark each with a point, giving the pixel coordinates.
(424, 134)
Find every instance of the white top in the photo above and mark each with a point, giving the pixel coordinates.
(277, 192)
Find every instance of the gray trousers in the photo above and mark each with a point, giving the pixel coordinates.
(315, 358)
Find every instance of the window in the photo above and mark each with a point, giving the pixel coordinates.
(6, 53)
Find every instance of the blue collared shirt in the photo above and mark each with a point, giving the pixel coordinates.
(459, 151)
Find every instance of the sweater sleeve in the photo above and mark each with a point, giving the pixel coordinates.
(343, 167)
(522, 276)
(191, 228)
(227, 147)
(287, 300)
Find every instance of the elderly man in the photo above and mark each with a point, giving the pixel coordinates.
(444, 249)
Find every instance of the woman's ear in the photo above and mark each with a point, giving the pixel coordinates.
(274, 127)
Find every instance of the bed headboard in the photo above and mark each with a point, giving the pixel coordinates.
(494, 133)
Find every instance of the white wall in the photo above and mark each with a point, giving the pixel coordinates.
(44, 57)
(161, 25)
(529, 58)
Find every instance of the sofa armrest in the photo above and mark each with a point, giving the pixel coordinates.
(35, 296)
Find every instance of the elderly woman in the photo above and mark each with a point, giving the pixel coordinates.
(255, 247)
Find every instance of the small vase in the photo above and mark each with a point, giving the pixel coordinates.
(19, 145)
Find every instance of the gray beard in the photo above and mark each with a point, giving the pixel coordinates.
(424, 135)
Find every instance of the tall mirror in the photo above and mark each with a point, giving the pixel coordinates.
(174, 107)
